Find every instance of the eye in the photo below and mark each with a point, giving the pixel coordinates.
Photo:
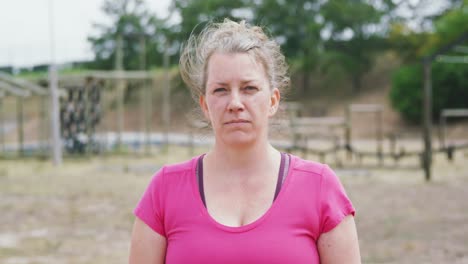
(219, 90)
(251, 88)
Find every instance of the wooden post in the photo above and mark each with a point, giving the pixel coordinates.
(393, 138)
(19, 123)
(145, 101)
(120, 90)
(166, 97)
(442, 131)
(87, 110)
(121, 84)
(55, 117)
(53, 88)
(427, 120)
(379, 136)
(105, 126)
(2, 126)
(43, 125)
(348, 132)
(142, 52)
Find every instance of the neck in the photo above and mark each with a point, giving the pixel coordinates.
(256, 156)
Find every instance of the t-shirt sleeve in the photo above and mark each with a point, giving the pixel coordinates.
(150, 207)
(334, 203)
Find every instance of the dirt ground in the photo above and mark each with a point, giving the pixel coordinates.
(82, 212)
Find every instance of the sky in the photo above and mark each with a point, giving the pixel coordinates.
(25, 38)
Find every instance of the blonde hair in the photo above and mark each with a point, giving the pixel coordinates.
(231, 37)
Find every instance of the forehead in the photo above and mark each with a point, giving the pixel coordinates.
(233, 67)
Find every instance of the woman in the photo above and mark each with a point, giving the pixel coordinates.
(244, 201)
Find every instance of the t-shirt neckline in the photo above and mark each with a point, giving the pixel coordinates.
(255, 223)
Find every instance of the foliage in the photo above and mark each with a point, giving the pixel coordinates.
(131, 20)
(356, 34)
(452, 24)
(314, 34)
(413, 44)
(406, 93)
(195, 13)
(449, 80)
(297, 28)
(325, 35)
(409, 45)
(317, 36)
(449, 89)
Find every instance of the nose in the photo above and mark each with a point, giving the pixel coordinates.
(235, 102)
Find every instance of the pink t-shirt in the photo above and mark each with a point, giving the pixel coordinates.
(312, 201)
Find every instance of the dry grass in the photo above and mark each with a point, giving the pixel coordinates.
(82, 211)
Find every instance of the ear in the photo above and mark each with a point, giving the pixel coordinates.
(274, 101)
(203, 106)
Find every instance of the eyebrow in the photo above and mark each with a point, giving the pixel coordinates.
(242, 82)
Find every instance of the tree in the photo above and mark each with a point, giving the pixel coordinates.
(452, 24)
(131, 20)
(449, 80)
(356, 33)
(296, 25)
(325, 34)
(418, 34)
(195, 14)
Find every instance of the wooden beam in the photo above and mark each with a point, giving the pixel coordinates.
(455, 112)
(314, 121)
(129, 75)
(447, 47)
(366, 108)
(108, 75)
(14, 90)
(452, 59)
(461, 49)
(24, 84)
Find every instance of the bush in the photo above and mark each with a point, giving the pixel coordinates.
(449, 89)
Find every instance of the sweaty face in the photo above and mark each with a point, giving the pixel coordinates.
(238, 99)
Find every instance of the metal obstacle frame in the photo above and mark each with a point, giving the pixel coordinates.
(119, 81)
(21, 89)
(375, 109)
(439, 55)
(444, 116)
(301, 127)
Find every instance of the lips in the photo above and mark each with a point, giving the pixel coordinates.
(237, 121)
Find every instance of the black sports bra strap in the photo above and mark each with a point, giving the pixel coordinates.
(200, 178)
(283, 172)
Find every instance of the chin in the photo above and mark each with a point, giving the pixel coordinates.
(239, 141)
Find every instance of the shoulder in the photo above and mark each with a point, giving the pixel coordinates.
(319, 174)
(171, 173)
(180, 167)
(308, 166)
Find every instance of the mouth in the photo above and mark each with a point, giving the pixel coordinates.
(237, 121)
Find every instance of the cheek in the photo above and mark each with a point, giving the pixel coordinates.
(213, 108)
(262, 104)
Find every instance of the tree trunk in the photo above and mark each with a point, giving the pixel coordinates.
(356, 83)
(305, 82)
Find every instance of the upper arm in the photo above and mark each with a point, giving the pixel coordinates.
(147, 246)
(340, 245)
